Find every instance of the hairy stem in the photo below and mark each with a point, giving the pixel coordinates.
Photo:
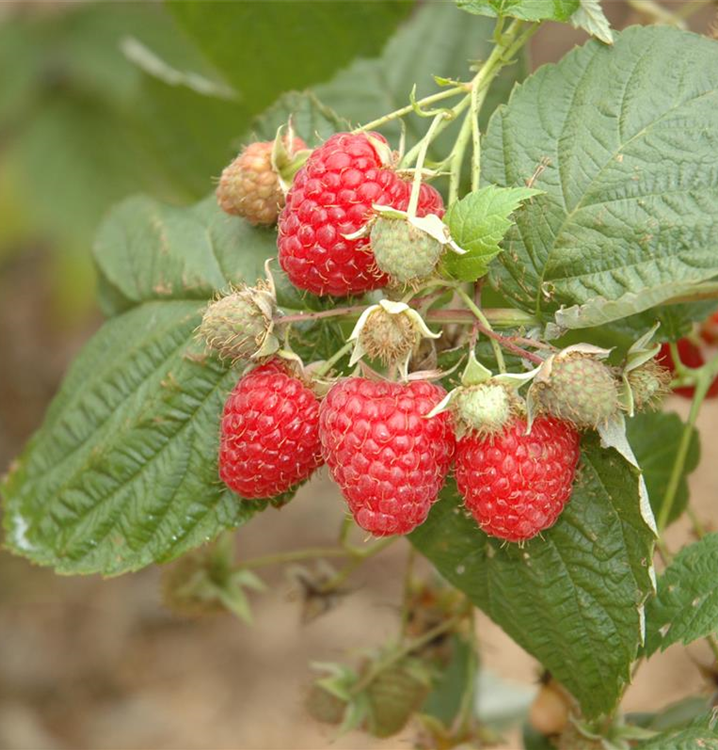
(421, 156)
(485, 327)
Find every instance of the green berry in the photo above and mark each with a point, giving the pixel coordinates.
(649, 384)
(388, 338)
(579, 389)
(407, 254)
(395, 695)
(323, 706)
(484, 408)
(240, 325)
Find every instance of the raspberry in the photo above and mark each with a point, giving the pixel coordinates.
(691, 356)
(389, 461)
(579, 389)
(324, 706)
(394, 695)
(250, 187)
(516, 485)
(404, 252)
(484, 408)
(269, 439)
(649, 384)
(332, 196)
(241, 324)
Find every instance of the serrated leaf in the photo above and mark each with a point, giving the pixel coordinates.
(574, 598)
(701, 734)
(257, 45)
(686, 605)
(626, 136)
(526, 10)
(591, 18)
(478, 223)
(368, 89)
(655, 438)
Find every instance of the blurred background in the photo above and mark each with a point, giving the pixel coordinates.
(97, 102)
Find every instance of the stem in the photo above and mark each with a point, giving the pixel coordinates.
(327, 366)
(408, 578)
(405, 650)
(456, 158)
(441, 95)
(477, 102)
(482, 321)
(296, 555)
(358, 558)
(421, 156)
(447, 119)
(301, 317)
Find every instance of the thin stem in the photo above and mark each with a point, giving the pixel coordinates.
(357, 558)
(691, 7)
(301, 317)
(280, 558)
(327, 366)
(408, 578)
(477, 101)
(412, 154)
(485, 327)
(421, 156)
(440, 96)
(456, 158)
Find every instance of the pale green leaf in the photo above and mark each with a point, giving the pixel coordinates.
(573, 598)
(591, 18)
(527, 10)
(623, 140)
(686, 606)
(477, 224)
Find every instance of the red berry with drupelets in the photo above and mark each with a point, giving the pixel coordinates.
(269, 440)
(389, 460)
(332, 197)
(516, 485)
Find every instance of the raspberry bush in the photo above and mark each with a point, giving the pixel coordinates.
(471, 309)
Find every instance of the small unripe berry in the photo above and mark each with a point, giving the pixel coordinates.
(388, 337)
(404, 252)
(485, 408)
(649, 383)
(250, 186)
(323, 706)
(240, 325)
(579, 389)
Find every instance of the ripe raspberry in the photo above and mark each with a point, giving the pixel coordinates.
(332, 196)
(516, 485)
(250, 186)
(691, 356)
(579, 389)
(389, 461)
(403, 251)
(269, 439)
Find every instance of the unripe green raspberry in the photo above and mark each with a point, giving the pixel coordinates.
(579, 389)
(323, 706)
(404, 252)
(241, 324)
(394, 696)
(250, 186)
(572, 739)
(484, 408)
(388, 338)
(649, 384)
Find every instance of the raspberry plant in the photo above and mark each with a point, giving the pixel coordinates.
(486, 386)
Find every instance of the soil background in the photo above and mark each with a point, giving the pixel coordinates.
(91, 663)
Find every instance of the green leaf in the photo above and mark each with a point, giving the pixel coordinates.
(478, 223)
(264, 49)
(447, 693)
(368, 89)
(701, 734)
(622, 139)
(591, 18)
(655, 438)
(124, 471)
(686, 605)
(574, 598)
(527, 10)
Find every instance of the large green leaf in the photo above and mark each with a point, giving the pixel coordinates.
(574, 597)
(623, 141)
(686, 606)
(265, 48)
(123, 472)
(527, 10)
(448, 42)
(655, 438)
(701, 734)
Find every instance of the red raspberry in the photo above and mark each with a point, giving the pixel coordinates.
(389, 461)
(269, 439)
(514, 484)
(691, 356)
(332, 196)
(709, 329)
